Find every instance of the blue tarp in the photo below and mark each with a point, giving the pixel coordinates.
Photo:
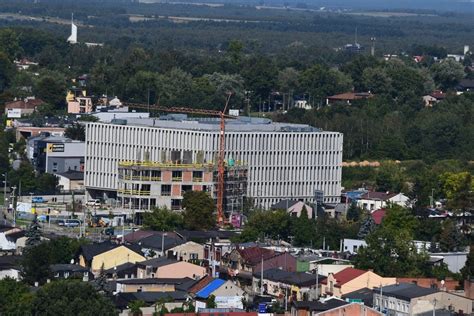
(211, 287)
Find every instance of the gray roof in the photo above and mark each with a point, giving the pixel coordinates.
(284, 204)
(240, 124)
(154, 242)
(405, 291)
(156, 262)
(318, 306)
(72, 175)
(294, 278)
(364, 294)
(68, 268)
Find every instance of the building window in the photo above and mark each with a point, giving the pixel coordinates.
(197, 176)
(155, 175)
(166, 190)
(175, 204)
(177, 175)
(186, 188)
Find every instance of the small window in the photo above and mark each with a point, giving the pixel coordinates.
(177, 175)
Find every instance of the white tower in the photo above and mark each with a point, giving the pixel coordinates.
(73, 38)
(466, 49)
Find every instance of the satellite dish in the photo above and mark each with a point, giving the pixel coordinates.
(72, 261)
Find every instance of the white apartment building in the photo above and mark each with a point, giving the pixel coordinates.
(284, 160)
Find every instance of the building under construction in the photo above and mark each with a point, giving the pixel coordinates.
(145, 185)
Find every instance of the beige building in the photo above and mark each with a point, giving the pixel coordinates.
(405, 299)
(189, 251)
(350, 279)
(107, 255)
(167, 268)
(149, 285)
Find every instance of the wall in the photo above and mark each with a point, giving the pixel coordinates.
(285, 261)
(181, 270)
(10, 273)
(325, 269)
(184, 251)
(369, 280)
(128, 288)
(444, 300)
(115, 257)
(350, 310)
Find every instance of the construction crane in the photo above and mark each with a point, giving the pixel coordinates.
(221, 157)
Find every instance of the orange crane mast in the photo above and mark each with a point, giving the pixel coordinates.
(221, 156)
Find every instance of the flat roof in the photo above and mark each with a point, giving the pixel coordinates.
(211, 124)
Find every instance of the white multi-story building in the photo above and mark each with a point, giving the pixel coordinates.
(284, 160)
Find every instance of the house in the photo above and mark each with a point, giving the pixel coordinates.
(8, 238)
(448, 284)
(302, 104)
(70, 180)
(244, 262)
(378, 215)
(348, 97)
(353, 309)
(18, 108)
(353, 245)
(226, 293)
(310, 308)
(454, 260)
(80, 105)
(293, 207)
(136, 236)
(189, 251)
(296, 286)
(411, 299)
(376, 200)
(107, 255)
(219, 236)
(153, 285)
(169, 268)
(128, 270)
(362, 296)
(350, 279)
(172, 300)
(152, 245)
(433, 98)
(10, 267)
(465, 85)
(67, 271)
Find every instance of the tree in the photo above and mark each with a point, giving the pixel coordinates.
(304, 229)
(7, 72)
(135, 307)
(198, 210)
(447, 73)
(451, 238)
(162, 219)
(367, 227)
(458, 188)
(51, 88)
(353, 213)
(211, 302)
(100, 283)
(33, 233)
(76, 131)
(15, 298)
(376, 80)
(71, 297)
(275, 224)
(467, 271)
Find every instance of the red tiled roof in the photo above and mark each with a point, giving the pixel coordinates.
(20, 104)
(438, 95)
(378, 215)
(201, 284)
(378, 196)
(253, 255)
(346, 275)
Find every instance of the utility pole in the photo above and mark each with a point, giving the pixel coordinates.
(14, 206)
(434, 307)
(5, 190)
(317, 281)
(261, 277)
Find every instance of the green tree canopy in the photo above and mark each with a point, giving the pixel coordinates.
(198, 210)
(163, 219)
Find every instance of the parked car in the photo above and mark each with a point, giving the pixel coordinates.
(93, 202)
(72, 223)
(38, 199)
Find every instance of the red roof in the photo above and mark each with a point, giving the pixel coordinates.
(351, 96)
(201, 284)
(438, 94)
(253, 255)
(21, 104)
(378, 215)
(346, 275)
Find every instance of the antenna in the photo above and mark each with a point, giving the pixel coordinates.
(372, 49)
(355, 42)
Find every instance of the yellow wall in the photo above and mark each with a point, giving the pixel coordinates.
(115, 257)
(369, 280)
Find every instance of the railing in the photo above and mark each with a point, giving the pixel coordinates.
(177, 178)
(133, 192)
(197, 179)
(155, 179)
(163, 165)
(166, 193)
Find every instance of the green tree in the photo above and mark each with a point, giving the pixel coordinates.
(376, 80)
(467, 271)
(304, 229)
(33, 233)
(367, 227)
(211, 302)
(51, 88)
(71, 297)
(353, 213)
(76, 131)
(447, 73)
(162, 219)
(9, 44)
(458, 188)
(451, 238)
(198, 210)
(275, 224)
(15, 298)
(7, 72)
(135, 307)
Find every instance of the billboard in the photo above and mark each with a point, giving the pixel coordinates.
(229, 302)
(55, 148)
(14, 113)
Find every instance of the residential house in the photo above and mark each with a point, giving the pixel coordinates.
(136, 236)
(293, 207)
(362, 296)
(295, 286)
(67, 271)
(310, 308)
(153, 285)
(227, 294)
(350, 279)
(189, 252)
(80, 105)
(448, 284)
(348, 97)
(70, 180)
(376, 200)
(378, 216)
(244, 262)
(411, 299)
(219, 236)
(107, 255)
(8, 238)
(465, 85)
(353, 245)
(454, 260)
(19, 108)
(128, 270)
(169, 268)
(152, 245)
(171, 300)
(354, 309)
(433, 98)
(10, 267)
